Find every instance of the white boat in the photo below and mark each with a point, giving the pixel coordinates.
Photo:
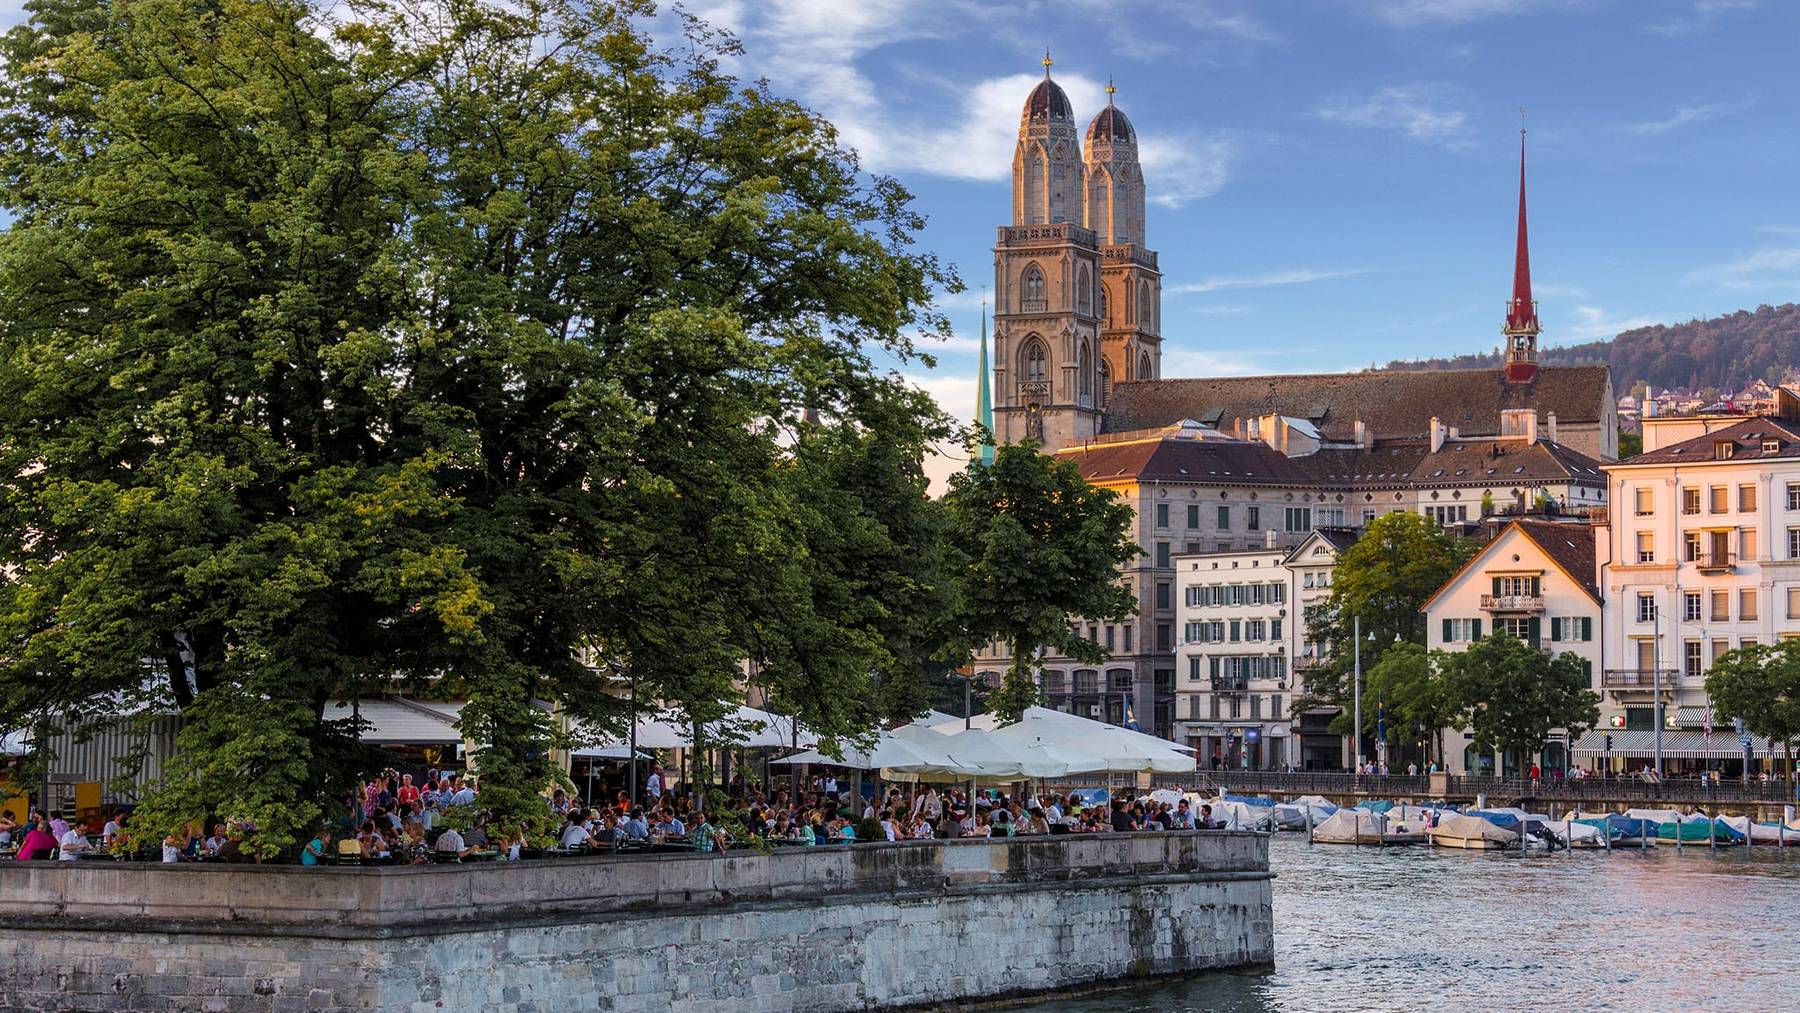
(1239, 815)
(1360, 826)
(1575, 835)
(1764, 833)
(1291, 815)
(1455, 830)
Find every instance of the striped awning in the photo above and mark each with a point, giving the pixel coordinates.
(1676, 742)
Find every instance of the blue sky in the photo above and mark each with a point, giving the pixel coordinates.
(1333, 181)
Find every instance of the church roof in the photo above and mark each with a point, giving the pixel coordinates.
(1411, 464)
(1111, 125)
(1233, 462)
(1392, 403)
(1048, 102)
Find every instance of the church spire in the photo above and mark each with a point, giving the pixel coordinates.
(1521, 328)
(984, 401)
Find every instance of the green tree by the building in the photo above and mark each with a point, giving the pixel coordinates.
(1042, 547)
(420, 354)
(1510, 695)
(1411, 682)
(1760, 685)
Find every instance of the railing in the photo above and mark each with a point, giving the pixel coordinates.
(1512, 602)
(1715, 562)
(1639, 678)
(1230, 683)
(1591, 788)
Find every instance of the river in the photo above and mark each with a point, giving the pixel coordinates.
(1432, 928)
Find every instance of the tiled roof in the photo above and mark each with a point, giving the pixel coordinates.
(1392, 403)
(1393, 464)
(1570, 544)
(1747, 438)
(1236, 462)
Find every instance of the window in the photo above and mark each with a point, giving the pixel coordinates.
(1646, 610)
(1460, 631)
(1793, 603)
(1127, 628)
(1193, 515)
(1031, 288)
(1571, 629)
(1194, 667)
(1190, 547)
(1306, 579)
(1746, 498)
(1717, 499)
(1274, 706)
(1646, 547)
(1690, 606)
(1164, 592)
(1237, 707)
(1278, 593)
(1719, 649)
(1721, 606)
(1109, 638)
(1793, 496)
(1224, 517)
(1299, 518)
(1222, 546)
(1368, 515)
(1162, 555)
(1516, 586)
(1144, 367)
(1256, 708)
(1084, 371)
(1690, 545)
(1165, 637)
(1084, 296)
(1690, 659)
(1194, 707)
(1747, 544)
(1253, 630)
(1034, 370)
(1215, 707)
(1274, 629)
(1690, 500)
(1254, 520)
(1162, 515)
(1524, 629)
(1746, 604)
(1643, 495)
(1793, 543)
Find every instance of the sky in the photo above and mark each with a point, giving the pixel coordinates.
(1333, 183)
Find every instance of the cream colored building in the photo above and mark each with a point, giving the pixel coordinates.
(1234, 687)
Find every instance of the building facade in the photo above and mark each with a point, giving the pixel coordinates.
(1233, 684)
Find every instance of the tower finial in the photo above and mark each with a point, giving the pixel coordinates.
(1109, 89)
(1047, 62)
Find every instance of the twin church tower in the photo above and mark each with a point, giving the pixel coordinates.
(1077, 295)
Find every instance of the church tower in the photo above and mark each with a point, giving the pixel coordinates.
(1047, 264)
(1521, 328)
(1131, 286)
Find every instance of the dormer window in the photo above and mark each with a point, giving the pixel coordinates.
(1771, 446)
(1723, 450)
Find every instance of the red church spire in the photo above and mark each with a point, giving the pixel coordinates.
(1521, 313)
(1521, 328)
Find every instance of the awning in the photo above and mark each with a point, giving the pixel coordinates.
(394, 722)
(1676, 742)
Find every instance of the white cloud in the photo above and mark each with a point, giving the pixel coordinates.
(1591, 322)
(1217, 362)
(1699, 15)
(1436, 13)
(1178, 169)
(1686, 115)
(1421, 110)
(1767, 267)
(1295, 276)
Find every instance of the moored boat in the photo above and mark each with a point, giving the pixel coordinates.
(1475, 833)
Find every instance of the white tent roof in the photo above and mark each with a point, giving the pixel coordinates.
(1110, 747)
(983, 754)
(746, 727)
(15, 743)
(400, 722)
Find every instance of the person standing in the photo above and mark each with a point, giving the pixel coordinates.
(653, 785)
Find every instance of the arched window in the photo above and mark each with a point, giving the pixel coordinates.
(1144, 366)
(1105, 382)
(1032, 366)
(1031, 289)
(1105, 316)
(1084, 298)
(1084, 370)
(1146, 307)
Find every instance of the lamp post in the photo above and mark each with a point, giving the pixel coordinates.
(1356, 728)
(1656, 677)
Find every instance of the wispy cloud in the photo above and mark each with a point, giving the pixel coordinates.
(1423, 111)
(1694, 16)
(1213, 362)
(1589, 323)
(1766, 268)
(1438, 13)
(1688, 115)
(1270, 279)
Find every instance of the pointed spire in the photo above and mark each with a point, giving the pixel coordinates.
(1047, 63)
(984, 402)
(1109, 90)
(1521, 311)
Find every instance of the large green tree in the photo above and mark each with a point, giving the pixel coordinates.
(1042, 547)
(1383, 579)
(422, 352)
(1510, 695)
(1760, 685)
(1413, 685)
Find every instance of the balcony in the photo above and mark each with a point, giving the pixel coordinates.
(1230, 684)
(1512, 603)
(1715, 562)
(1639, 678)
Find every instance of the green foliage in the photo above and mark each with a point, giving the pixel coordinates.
(1509, 694)
(1418, 695)
(1384, 578)
(1631, 443)
(427, 352)
(1760, 684)
(1041, 547)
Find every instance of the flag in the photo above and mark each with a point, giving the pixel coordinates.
(1130, 718)
(1380, 721)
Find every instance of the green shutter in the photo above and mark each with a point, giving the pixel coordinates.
(1532, 628)
(1475, 629)
(1537, 586)
(1448, 636)
(1496, 586)
(1555, 628)
(1587, 628)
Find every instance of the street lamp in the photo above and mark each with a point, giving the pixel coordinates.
(1356, 640)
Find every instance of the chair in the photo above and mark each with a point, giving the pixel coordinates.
(349, 851)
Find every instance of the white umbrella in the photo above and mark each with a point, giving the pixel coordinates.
(982, 754)
(1111, 749)
(889, 752)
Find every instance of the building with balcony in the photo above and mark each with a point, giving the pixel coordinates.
(1233, 689)
(1702, 556)
(1313, 568)
(1538, 581)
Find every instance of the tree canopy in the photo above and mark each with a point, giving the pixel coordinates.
(1760, 685)
(1510, 695)
(440, 349)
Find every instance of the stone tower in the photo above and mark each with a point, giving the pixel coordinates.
(1131, 292)
(1047, 361)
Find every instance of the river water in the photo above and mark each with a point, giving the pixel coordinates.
(1420, 928)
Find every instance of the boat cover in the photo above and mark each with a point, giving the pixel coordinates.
(1470, 827)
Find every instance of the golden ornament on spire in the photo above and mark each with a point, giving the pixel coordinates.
(1109, 89)
(1046, 61)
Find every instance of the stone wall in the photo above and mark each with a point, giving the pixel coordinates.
(841, 928)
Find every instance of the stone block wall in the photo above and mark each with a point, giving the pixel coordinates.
(828, 929)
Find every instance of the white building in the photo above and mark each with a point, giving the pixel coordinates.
(1234, 687)
(1312, 565)
(1538, 581)
(1702, 556)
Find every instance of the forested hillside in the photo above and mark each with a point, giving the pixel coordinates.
(1723, 352)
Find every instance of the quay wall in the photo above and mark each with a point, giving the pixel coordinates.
(808, 929)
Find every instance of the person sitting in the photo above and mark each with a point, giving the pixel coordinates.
(671, 825)
(113, 828)
(38, 842)
(217, 840)
(414, 849)
(451, 844)
(637, 828)
(574, 834)
(1206, 821)
(74, 842)
(1183, 817)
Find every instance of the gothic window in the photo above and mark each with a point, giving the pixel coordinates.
(1084, 292)
(1144, 366)
(1031, 289)
(1032, 366)
(1146, 307)
(1105, 382)
(1105, 318)
(1084, 368)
